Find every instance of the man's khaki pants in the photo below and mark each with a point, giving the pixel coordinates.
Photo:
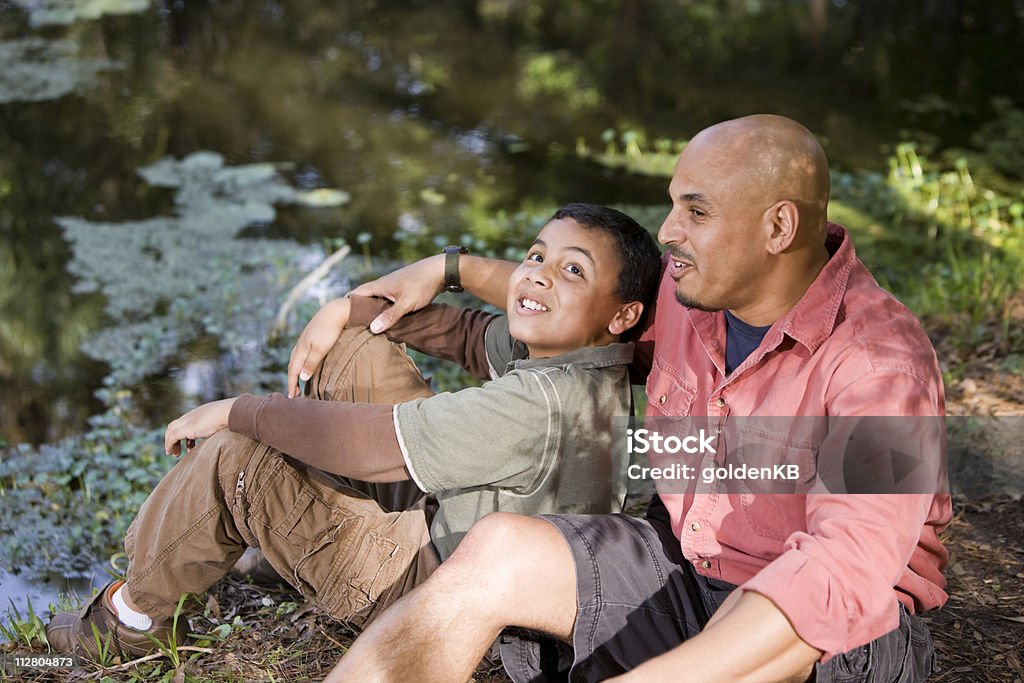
(352, 547)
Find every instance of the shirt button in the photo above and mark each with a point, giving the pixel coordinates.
(662, 398)
(706, 564)
(695, 526)
(720, 402)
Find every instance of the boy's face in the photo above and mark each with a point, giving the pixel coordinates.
(563, 296)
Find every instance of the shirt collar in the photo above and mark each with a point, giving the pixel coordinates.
(812, 319)
(587, 357)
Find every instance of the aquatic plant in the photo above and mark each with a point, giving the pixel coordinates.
(66, 12)
(36, 69)
(168, 282)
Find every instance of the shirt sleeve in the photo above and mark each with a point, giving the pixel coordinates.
(504, 433)
(351, 439)
(448, 332)
(834, 581)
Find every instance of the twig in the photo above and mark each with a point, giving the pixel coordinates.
(317, 274)
(328, 637)
(150, 657)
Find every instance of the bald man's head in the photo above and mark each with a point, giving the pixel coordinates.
(747, 227)
(771, 158)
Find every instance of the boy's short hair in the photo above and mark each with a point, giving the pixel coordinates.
(639, 257)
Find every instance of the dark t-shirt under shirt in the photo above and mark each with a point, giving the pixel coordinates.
(740, 341)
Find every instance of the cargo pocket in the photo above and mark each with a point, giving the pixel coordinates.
(306, 538)
(384, 562)
(854, 666)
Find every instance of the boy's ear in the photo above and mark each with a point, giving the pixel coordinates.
(626, 317)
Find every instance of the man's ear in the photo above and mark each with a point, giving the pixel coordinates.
(626, 317)
(781, 221)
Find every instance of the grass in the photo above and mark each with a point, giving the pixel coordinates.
(27, 630)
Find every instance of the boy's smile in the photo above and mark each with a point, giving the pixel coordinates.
(563, 296)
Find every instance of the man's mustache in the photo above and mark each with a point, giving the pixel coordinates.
(681, 255)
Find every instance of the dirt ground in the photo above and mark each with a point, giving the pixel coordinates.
(979, 634)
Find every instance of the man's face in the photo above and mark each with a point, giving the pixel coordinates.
(714, 231)
(563, 296)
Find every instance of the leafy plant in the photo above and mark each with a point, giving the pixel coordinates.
(28, 630)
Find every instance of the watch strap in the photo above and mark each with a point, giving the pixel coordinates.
(452, 281)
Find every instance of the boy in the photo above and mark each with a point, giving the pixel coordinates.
(536, 439)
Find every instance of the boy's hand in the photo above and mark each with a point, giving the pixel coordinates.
(197, 423)
(409, 288)
(318, 337)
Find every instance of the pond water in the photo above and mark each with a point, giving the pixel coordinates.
(435, 113)
(432, 115)
(20, 596)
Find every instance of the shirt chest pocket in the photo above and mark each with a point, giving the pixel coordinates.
(668, 394)
(784, 466)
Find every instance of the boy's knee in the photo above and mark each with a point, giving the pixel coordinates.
(367, 368)
(226, 444)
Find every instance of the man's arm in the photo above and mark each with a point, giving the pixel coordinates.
(447, 332)
(410, 288)
(414, 286)
(748, 639)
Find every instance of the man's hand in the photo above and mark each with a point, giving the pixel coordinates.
(409, 288)
(318, 337)
(748, 639)
(197, 423)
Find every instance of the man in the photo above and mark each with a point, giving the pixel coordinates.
(764, 310)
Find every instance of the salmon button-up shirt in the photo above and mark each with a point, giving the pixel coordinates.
(834, 564)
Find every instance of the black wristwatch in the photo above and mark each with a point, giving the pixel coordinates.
(452, 283)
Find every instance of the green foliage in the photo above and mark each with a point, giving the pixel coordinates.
(498, 234)
(28, 630)
(1002, 139)
(191, 275)
(560, 77)
(67, 504)
(632, 152)
(950, 247)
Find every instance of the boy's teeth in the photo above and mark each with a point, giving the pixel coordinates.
(533, 305)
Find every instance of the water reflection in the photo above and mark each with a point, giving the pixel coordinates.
(437, 114)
